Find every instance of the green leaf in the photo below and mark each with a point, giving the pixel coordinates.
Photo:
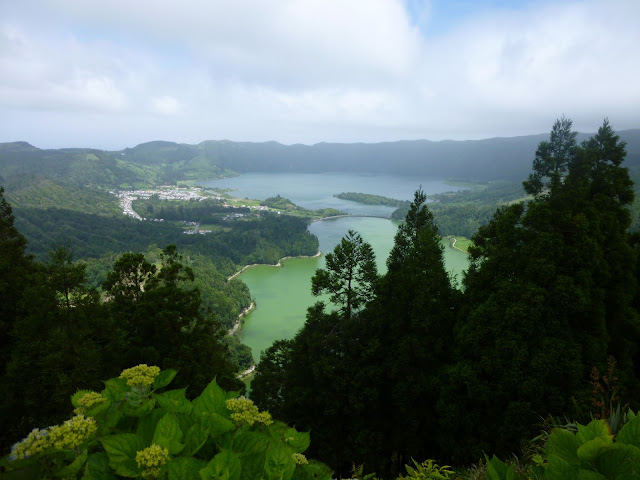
(212, 400)
(218, 425)
(185, 468)
(115, 389)
(133, 410)
(589, 475)
(314, 470)
(98, 467)
(168, 434)
(174, 401)
(29, 469)
(122, 450)
(195, 438)
(630, 433)
(147, 425)
(224, 466)
(247, 441)
(559, 469)
(74, 467)
(619, 459)
(588, 451)
(98, 409)
(496, 469)
(595, 429)
(564, 445)
(279, 464)
(299, 441)
(164, 378)
(253, 465)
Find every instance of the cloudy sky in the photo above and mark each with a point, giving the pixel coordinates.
(116, 73)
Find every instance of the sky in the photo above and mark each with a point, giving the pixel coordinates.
(112, 74)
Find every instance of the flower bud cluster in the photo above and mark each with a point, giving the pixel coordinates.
(244, 411)
(89, 400)
(299, 458)
(151, 459)
(140, 375)
(71, 434)
(35, 443)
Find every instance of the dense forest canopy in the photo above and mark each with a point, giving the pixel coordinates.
(424, 370)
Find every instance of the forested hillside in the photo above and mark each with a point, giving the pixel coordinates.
(167, 162)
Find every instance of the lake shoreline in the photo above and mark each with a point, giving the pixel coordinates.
(279, 264)
(236, 326)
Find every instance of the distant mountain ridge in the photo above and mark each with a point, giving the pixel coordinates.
(162, 161)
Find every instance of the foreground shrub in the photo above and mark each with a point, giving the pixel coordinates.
(131, 430)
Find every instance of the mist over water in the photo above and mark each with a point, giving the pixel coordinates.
(283, 294)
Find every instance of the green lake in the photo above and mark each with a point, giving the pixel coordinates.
(283, 294)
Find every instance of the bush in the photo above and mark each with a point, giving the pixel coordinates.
(132, 430)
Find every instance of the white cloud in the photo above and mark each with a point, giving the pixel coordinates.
(166, 105)
(313, 70)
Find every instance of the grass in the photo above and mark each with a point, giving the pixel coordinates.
(462, 243)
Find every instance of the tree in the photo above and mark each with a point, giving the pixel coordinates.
(16, 271)
(127, 280)
(549, 294)
(15, 267)
(269, 384)
(350, 276)
(417, 305)
(160, 309)
(552, 158)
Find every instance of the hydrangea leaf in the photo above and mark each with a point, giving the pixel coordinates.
(122, 449)
(224, 466)
(115, 389)
(168, 434)
(195, 438)
(182, 468)
(74, 467)
(174, 401)
(299, 441)
(98, 467)
(212, 399)
(164, 378)
(279, 464)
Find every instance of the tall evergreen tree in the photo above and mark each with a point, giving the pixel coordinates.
(552, 158)
(351, 274)
(417, 304)
(542, 304)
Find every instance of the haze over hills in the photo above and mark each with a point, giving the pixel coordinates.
(165, 162)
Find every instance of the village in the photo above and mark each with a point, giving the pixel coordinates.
(127, 198)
